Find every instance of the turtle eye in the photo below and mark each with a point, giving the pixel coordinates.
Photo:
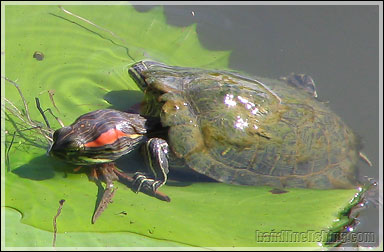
(61, 133)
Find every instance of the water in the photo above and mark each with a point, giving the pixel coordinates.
(337, 45)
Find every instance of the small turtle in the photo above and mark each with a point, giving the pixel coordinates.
(96, 140)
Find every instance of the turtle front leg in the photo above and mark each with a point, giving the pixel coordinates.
(155, 152)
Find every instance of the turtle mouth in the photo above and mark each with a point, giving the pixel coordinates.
(137, 72)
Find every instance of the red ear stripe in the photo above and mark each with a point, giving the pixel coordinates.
(107, 137)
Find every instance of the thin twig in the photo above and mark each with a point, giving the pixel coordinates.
(22, 97)
(99, 27)
(13, 107)
(91, 23)
(16, 114)
(42, 112)
(57, 119)
(19, 132)
(44, 132)
(61, 202)
(25, 117)
(8, 150)
(51, 93)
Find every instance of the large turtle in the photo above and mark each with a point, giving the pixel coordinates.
(240, 130)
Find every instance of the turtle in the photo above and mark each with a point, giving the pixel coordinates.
(98, 138)
(243, 130)
(95, 140)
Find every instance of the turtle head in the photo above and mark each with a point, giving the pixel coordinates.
(66, 145)
(157, 76)
(100, 136)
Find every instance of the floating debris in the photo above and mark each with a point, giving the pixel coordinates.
(38, 56)
(61, 202)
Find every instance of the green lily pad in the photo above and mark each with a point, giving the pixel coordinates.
(200, 214)
(22, 235)
(87, 69)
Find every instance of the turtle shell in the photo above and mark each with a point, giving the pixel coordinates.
(240, 130)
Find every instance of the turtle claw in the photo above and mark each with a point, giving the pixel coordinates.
(144, 186)
(144, 182)
(139, 178)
